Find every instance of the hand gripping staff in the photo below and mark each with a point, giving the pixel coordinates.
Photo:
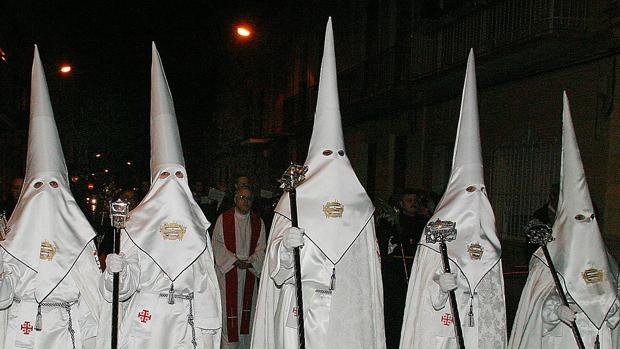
(118, 216)
(292, 177)
(540, 234)
(440, 232)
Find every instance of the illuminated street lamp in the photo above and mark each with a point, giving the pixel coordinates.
(65, 69)
(244, 31)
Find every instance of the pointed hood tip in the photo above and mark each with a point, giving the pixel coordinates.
(166, 149)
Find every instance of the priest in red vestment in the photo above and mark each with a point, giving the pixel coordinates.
(239, 248)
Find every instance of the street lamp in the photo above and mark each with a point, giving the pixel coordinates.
(244, 31)
(65, 69)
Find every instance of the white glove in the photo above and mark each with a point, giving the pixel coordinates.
(293, 237)
(115, 263)
(565, 314)
(447, 282)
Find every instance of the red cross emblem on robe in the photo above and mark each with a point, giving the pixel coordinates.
(26, 327)
(230, 241)
(144, 316)
(447, 319)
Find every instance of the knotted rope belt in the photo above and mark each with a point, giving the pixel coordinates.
(38, 324)
(190, 317)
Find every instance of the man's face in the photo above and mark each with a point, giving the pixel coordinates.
(243, 181)
(243, 200)
(16, 187)
(408, 204)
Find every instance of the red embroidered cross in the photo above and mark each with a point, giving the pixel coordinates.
(26, 327)
(295, 311)
(447, 319)
(144, 316)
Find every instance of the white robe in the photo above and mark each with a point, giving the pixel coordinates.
(148, 320)
(350, 317)
(427, 323)
(20, 307)
(225, 260)
(536, 325)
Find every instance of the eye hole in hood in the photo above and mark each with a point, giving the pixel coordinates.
(327, 152)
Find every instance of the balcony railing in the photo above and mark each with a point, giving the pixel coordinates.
(439, 46)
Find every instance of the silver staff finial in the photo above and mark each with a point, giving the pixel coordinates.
(438, 231)
(119, 210)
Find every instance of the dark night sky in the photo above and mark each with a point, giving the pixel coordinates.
(105, 101)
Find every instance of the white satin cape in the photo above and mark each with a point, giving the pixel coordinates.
(351, 317)
(422, 324)
(528, 330)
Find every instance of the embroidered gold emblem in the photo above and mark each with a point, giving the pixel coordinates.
(592, 276)
(48, 251)
(333, 209)
(475, 251)
(172, 231)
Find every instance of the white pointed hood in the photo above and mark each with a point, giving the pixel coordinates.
(167, 225)
(579, 254)
(465, 200)
(47, 230)
(333, 207)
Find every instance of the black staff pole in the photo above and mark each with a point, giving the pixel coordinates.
(290, 180)
(440, 232)
(541, 234)
(118, 217)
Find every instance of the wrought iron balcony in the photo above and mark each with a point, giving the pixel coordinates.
(443, 44)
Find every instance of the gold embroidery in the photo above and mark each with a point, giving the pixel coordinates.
(48, 251)
(172, 231)
(592, 276)
(475, 251)
(333, 209)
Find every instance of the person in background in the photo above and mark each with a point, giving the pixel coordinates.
(239, 249)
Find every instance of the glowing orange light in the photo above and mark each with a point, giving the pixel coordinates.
(65, 68)
(128, 163)
(243, 31)
(98, 155)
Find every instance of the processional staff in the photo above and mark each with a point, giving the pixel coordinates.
(541, 234)
(292, 177)
(440, 232)
(118, 217)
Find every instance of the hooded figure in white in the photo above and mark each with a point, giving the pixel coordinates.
(166, 261)
(340, 265)
(588, 273)
(474, 256)
(48, 264)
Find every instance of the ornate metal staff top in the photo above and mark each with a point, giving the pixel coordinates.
(539, 233)
(440, 231)
(119, 211)
(293, 176)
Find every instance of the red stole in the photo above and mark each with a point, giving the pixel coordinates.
(228, 220)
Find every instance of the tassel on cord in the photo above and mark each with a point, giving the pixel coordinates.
(597, 343)
(38, 324)
(171, 294)
(472, 323)
(332, 285)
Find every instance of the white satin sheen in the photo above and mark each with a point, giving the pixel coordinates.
(143, 282)
(47, 214)
(22, 306)
(426, 304)
(532, 329)
(578, 244)
(351, 317)
(169, 200)
(475, 224)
